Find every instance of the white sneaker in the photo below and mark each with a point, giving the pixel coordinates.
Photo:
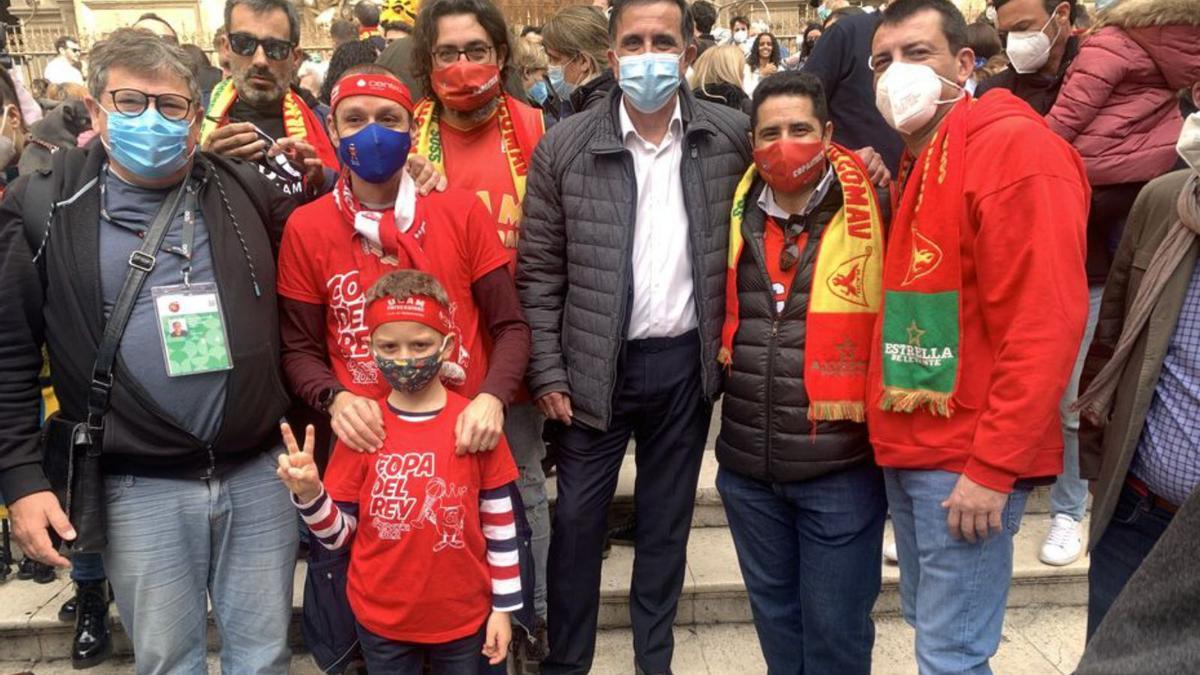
(1063, 543)
(889, 552)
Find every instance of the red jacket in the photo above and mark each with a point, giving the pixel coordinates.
(1024, 304)
(1118, 104)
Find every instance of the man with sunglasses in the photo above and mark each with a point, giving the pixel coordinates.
(255, 115)
(64, 68)
(193, 509)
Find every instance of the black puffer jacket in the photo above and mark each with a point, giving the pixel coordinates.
(594, 92)
(574, 270)
(765, 432)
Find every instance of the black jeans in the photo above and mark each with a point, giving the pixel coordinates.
(659, 401)
(1135, 528)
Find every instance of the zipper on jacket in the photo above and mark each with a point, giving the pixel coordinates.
(772, 340)
(626, 283)
(212, 461)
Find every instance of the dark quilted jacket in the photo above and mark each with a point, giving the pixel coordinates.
(574, 269)
(765, 432)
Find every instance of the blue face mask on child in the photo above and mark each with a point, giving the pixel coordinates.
(148, 145)
(649, 80)
(375, 153)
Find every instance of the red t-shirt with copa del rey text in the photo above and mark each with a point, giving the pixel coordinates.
(418, 563)
(324, 261)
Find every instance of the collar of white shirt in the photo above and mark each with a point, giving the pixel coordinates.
(766, 199)
(629, 132)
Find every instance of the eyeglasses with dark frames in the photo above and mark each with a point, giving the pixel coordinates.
(476, 53)
(132, 103)
(245, 44)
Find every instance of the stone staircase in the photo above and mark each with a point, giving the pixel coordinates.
(714, 608)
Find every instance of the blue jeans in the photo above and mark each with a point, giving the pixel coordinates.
(952, 592)
(1135, 528)
(1069, 494)
(523, 430)
(457, 657)
(172, 544)
(809, 553)
(86, 567)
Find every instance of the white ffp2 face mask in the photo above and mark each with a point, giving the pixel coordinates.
(1030, 50)
(1188, 146)
(908, 95)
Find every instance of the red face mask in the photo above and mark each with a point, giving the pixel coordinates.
(788, 165)
(466, 86)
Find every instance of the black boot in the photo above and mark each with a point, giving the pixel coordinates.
(66, 613)
(30, 569)
(93, 642)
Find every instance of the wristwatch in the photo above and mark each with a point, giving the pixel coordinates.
(327, 397)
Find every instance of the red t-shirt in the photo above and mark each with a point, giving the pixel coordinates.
(781, 279)
(418, 563)
(323, 261)
(475, 161)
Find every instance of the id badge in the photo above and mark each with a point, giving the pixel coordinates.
(191, 328)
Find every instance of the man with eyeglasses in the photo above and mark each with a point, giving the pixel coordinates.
(482, 139)
(255, 115)
(186, 423)
(984, 304)
(64, 68)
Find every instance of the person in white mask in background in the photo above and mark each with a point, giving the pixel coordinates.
(985, 301)
(1040, 46)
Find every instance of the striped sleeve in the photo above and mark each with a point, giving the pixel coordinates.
(500, 531)
(331, 522)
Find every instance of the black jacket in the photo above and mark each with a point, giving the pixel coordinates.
(594, 92)
(1038, 90)
(725, 94)
(839, 60)
(765, 431)
(63, 312)
(575, 266)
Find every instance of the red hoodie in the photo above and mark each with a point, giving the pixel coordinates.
(1024, 307)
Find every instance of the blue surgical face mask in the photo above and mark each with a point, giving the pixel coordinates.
(374, 153)
(823, 13)
(1102, 5)
(558, 80)
(149, 145)
(539, 92)
(649, 80)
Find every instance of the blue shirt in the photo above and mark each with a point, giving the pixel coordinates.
(1168, 453)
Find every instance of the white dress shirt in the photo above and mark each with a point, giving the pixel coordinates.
(663, 293)
(60, 71)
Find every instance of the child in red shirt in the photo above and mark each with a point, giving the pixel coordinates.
(433, 566)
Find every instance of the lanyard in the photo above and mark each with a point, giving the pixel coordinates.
(186, 246)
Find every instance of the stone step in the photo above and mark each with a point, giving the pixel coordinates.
(1036, 641)
(709, 512)
(713, 593)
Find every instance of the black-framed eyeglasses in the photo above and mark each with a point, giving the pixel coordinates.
(476, 53)
(132, 102)
(245, 44)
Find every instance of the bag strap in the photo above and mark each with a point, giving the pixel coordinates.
(141, 262)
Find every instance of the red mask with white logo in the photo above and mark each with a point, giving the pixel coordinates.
(788, 164)
(466, 86)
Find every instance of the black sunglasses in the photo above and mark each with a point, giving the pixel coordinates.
(245, 44)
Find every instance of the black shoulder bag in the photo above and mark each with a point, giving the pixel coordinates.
(71, 450)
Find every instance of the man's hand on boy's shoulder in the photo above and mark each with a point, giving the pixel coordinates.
(357, 421)
(480, 425)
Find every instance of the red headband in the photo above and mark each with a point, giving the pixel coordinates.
(419, 308)
(383, 86)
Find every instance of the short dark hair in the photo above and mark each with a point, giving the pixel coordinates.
(61, 42)
(1049, 5)
(686, 26)
(151, 16)
(395, 25)
(367, 14)
(343, 31)
(954, 26)
(739, 19)
(353, 53)
(424, 35)
(791, 83)
(983, 39)
(705, 15)
(264, 7)
(752, 57)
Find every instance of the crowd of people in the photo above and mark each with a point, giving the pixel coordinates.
(265, 310)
